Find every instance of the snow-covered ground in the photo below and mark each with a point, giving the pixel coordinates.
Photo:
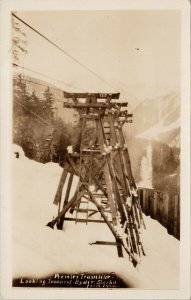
(40, 251)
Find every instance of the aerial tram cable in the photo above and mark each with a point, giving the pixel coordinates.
(64, 51)
(41, 74)
(42, 120)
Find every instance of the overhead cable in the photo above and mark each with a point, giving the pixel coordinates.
(41, 74)
(64, 51)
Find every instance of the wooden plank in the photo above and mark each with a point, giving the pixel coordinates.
(133, 233)
(141, 198)
(165, 209)
(58, 195)
(105, 243)
(106, 172)
(119, 248)
(96, 95)
(137, 216)
(122, 166)
(61, 221)
(93, 105)
(85, 210)
(117, 237)
(175, 215)
(161, 207)
(121, 207)
(72, 202)
(140, 204)
(158, 215)
(155, 205)
(118, 166)
(170, 215)
(178, 216)
(113, 139)
(80, 220)
(151, 202)
(127, 159)
(145, 201)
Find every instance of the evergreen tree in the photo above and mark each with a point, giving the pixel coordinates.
(20, 107)
(60, 141)
(20, 95)
(48, 104)
(166, 163)
(35, 104)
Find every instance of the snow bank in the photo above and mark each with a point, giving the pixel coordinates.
(40, 251)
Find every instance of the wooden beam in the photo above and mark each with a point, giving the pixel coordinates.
(61, 221)
(72, 202)
(106, 172)
(94, 105)
(58, 194)
(84, 220)
(117, 237)
(127, 162)
(105, 243)
(96, 95)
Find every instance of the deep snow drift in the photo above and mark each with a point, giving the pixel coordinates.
(39, 251)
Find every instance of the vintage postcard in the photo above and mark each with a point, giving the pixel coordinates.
(95, 149)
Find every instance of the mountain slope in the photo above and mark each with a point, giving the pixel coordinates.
(158, 119)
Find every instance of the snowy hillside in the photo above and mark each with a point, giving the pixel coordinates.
(39, 251)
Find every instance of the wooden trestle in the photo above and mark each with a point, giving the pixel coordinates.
(106, 191)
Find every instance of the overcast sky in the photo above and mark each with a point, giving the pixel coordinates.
(107, 42)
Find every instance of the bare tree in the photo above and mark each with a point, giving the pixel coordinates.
(19, 41)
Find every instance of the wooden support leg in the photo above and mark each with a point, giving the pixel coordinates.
(58, 196)
(61, 221)
(133, 258)
(116, 190)
(106, 173)
(72, 202)
(119, 249)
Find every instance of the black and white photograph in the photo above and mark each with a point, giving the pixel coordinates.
(95, 151)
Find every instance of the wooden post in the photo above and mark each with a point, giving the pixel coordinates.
(106, 172)
(178, 229)
(72, 202)
(61, 221)
(165, 209)
(149, 202)
(162, 211)
(152, 205)
(155, 205)
(175, 231)
(158, 207)
(170, 215)
(119, 162)
(145, 201)
(58, 196)
(141, 198)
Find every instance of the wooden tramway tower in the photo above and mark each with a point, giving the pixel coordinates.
(106, 190)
